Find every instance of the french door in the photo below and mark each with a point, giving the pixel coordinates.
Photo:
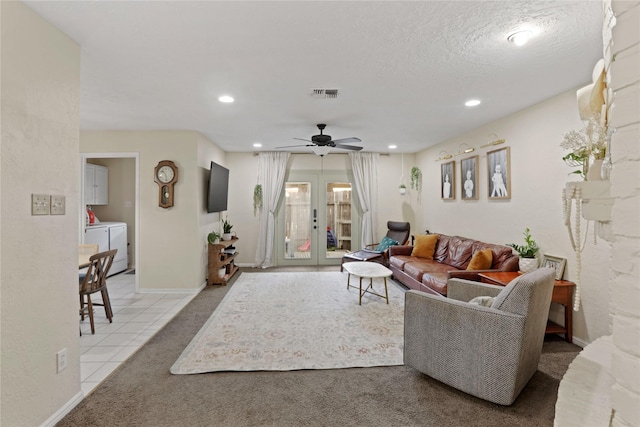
(318, 219)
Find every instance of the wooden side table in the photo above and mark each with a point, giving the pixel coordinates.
(562, 294)
(218, 260)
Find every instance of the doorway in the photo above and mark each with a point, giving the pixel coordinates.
(118, 198)
(317, 220)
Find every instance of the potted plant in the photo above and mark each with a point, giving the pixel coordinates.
(226, 229)
(402, 188)
(416, 178)
(213, 237)
(527, 252)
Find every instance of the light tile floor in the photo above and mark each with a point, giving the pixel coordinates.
(136, 318)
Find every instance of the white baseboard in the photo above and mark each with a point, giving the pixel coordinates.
(245, 264)
(64, 410)
(578, 341)
(172, 290)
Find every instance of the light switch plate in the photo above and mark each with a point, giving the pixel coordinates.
(57, 205)
(39, 204)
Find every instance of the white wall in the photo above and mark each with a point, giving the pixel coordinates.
(171, 252)
(243, 178)
(625, 188)
(39, 306)
(122, 197)
(208, 222)
(538, 176)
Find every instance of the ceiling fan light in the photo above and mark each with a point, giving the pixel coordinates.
(321, 150)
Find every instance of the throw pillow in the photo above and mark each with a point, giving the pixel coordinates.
(385, 243)
(425, 245)
(481, 260)
(483, 301)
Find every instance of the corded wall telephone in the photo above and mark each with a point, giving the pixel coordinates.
(592, 203)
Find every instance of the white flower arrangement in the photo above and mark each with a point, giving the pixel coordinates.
(588, 141)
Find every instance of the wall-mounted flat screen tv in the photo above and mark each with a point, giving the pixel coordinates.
(218, 188)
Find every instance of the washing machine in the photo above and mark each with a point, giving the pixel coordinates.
(110, 235)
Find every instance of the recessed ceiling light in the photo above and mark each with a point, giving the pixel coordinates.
(226, 99)
(472, 102)
(257, 144)
(519, 38)
(393, 147)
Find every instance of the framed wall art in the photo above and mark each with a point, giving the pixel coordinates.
(556, 263)
(469, 178)
(499, 174)
(447, 180)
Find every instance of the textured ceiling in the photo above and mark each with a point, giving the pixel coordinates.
(404, 69)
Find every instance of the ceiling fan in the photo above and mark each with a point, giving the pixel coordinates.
(322, 143)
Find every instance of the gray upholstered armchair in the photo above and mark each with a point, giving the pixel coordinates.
(489, 352)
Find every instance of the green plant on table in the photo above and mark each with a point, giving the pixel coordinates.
(226, 226)
(213, 237)
(530, 247)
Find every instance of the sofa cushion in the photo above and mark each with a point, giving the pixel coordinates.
(417, 266)
(398, 261)
(481, 260)
(500, 253)
(425, 245)
(442, 248)
(436, 276)
(385, 243)
(459, 253)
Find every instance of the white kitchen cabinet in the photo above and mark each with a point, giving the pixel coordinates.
(96, 185)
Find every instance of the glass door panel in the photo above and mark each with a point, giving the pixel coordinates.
(338, 218)
(297, 224)
(317, 222)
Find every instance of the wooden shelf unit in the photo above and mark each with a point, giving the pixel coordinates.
(218, 259)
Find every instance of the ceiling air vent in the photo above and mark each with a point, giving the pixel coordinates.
(324, 93)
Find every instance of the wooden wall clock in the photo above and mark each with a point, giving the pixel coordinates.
(165, 175)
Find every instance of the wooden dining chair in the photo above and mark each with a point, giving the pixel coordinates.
(95, 280)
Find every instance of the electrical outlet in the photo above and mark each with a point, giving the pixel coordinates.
(57, 205)
(61, 358)
(39, 204)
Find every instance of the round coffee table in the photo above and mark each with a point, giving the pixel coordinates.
(368, 270)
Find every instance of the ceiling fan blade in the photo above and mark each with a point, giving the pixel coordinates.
(343, 140)
(302, 139)
(293, 146)
(349, 147)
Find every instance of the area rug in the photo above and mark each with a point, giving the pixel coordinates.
(291, 321)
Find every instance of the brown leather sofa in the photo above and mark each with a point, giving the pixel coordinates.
(451, 257)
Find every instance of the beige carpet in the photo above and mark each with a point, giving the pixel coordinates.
(293, 321)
